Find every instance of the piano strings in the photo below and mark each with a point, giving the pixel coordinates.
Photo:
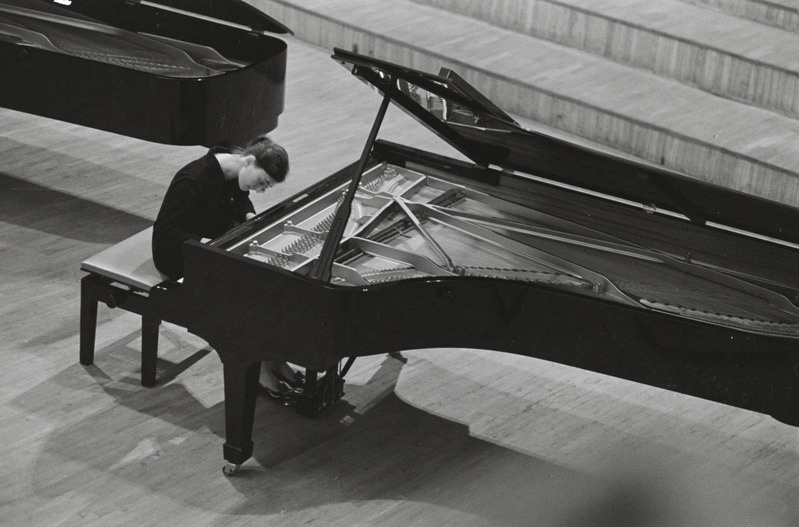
(406, 225)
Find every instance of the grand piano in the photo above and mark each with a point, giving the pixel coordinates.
(536, 246)
(182, 72)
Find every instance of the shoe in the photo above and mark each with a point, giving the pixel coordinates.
(297, 382)
(282, 395)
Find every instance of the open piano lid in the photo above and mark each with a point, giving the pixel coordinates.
(471, 123)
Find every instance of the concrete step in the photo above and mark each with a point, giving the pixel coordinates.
(712, 50)
(783, 14)
(681, 127)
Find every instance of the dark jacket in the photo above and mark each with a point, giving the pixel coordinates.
(199, 203)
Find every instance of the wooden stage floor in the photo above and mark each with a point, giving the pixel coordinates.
(446, 437)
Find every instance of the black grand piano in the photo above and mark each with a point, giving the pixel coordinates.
(183, 72)
(538, 247)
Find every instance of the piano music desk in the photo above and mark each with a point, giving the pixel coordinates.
(122, 276)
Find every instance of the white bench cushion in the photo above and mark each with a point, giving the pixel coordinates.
(129, 262)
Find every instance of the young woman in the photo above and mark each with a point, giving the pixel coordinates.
(208, 197)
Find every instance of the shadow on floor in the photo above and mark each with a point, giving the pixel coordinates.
(34, 206)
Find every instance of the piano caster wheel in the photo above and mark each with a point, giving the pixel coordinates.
(230, 470)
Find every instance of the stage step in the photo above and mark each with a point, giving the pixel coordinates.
(623, 107)
(783, 14)
(717, 52)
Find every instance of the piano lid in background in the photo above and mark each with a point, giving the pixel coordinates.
(232, 11)
(146, 70)
(480, 130)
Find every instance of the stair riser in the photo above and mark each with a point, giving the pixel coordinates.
(710, 69)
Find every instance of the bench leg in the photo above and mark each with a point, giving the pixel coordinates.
(88, 321)
(93, 290)
(149, 349)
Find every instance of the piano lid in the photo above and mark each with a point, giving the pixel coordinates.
(471, 123)
(231, 11)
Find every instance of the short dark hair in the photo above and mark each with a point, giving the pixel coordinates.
(270, 156)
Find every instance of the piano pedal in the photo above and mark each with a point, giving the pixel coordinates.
(325, 393)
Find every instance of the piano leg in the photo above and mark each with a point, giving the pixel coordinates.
(241, 392)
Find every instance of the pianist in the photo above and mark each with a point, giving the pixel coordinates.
(208, 197)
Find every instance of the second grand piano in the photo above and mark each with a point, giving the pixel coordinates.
(183, 72)
(538, 247)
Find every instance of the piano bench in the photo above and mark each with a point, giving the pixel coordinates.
(122, 276)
